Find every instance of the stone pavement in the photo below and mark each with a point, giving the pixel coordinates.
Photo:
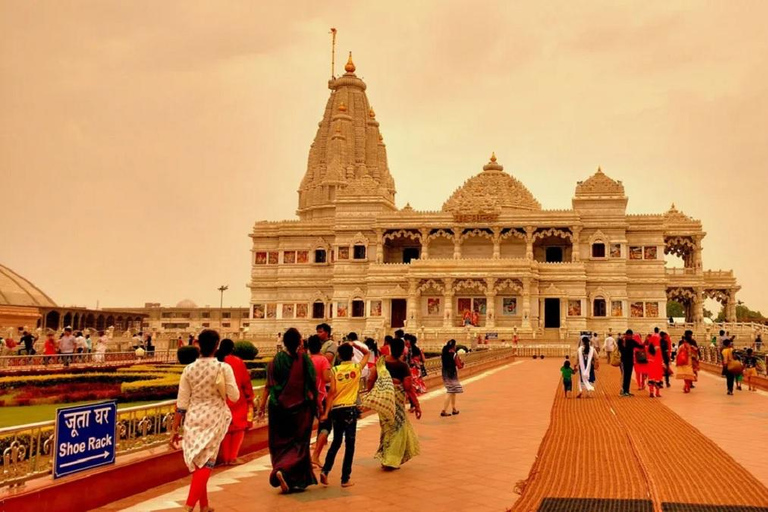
(686, 453)
(468, 462)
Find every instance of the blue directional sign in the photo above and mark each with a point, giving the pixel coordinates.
(85, 437)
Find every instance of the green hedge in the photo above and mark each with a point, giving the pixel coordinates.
(8, 383)
(245, 350)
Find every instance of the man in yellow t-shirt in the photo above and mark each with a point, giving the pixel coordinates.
(341, 405)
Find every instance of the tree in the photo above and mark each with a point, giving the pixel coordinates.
(743, 314)
(708, 313)
(675, 309)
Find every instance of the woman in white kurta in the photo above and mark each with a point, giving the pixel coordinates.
(586, 355)
(101, 348)
(206, 415)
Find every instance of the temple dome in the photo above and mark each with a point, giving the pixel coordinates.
(491, 191)
(187, 304)
(17, 291)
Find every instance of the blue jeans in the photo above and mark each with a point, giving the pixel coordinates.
(344, 428)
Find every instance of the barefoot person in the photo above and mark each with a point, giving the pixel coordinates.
(323, 376)
(587, 356)
(203, 389)
(291, 392)
(242, 408)
(398, 443)
(451, 365)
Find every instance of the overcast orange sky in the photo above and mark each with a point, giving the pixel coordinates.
(140, 140)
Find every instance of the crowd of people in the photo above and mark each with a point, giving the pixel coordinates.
(70, 346)
(313, 381)
(651, 360)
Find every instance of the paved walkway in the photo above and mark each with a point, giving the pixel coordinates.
(638, 454)
(469, 462)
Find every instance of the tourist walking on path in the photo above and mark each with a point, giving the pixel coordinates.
(686, 361)
(627, 345)
(341, 407)
(452, 363)
(728, 365)
(587, 356)
(101, 348)
(418, 371)
(291, 395)
(329, 346)
(398, 443)
(750, 369)
(567, 373)
(323, 379)
(49, 349)
(655, 366)
(204, 387)
(609, 345)
(641, 363)
(67, 346)
(242, 408)
(666, 353)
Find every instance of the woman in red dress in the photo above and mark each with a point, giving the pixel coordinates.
(655, 366)
(242, 410)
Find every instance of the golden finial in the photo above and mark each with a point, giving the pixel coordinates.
(493, 157)
(371, 113)
(673, 206)
(599, 169)
(349, 67)
(342, 107)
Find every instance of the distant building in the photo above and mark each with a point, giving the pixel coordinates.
(22, 304)
(186, 316)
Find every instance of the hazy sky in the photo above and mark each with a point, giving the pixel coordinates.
(140, 140)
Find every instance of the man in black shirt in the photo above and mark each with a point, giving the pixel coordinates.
(627, 346)
(28, 341)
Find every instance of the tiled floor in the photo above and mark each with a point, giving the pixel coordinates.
(468, 462)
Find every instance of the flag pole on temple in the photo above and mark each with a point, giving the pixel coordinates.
(333, 53)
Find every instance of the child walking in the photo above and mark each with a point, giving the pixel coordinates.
(341, 407)
(567, 372)
(750, 369)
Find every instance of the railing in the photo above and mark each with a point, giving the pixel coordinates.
(712, 355)
(27, 450)
(22, 362)
(680, 271)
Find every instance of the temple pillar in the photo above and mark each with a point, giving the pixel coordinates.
(379, 246)
(730, 307)
(448, 300)
(698, 306)
(529, 242)
(424, 244)
(526, 324)
(490, 298)
(697, 264)
(457, 244)
(575, 251)
(413, 303)
(496, 243)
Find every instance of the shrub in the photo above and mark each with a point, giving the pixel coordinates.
(245, 350)
(187, 354)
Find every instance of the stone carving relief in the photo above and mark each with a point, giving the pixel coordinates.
(402, 233)
(431, 284)
(509, 284)
(553, 232)
(601, 185)
(469, 284)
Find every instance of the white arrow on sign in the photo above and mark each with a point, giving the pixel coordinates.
(86, 459)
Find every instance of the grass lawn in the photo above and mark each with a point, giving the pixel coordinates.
(20, 415)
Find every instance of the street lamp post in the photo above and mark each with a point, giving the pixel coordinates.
(222, 289)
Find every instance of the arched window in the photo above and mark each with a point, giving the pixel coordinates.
(318, 310)
(358, 308)
(598, 307)
(598, 250)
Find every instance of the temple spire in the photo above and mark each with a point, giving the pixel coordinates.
(349, 67)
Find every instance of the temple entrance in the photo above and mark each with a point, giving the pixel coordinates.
(398, 311)
(554, 255)
(551, 313)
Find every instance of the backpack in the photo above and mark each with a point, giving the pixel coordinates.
(682, 357)
(641, 357)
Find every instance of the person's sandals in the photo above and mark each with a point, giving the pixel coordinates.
(317, 464)
(348, 483)
(324, 478)
(455, 412)
(444, 414)
(283, 484)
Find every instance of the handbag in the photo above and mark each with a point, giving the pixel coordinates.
(381, 398)
(221, 384)
(641, 357)
(615, 358)
(735, 367)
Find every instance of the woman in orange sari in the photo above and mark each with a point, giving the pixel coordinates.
(242, 409)
(687, 362)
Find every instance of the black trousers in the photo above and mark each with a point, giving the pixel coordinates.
(344, 428)
(626, 367)
(729, 378)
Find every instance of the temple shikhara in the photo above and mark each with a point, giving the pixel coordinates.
(491, 259)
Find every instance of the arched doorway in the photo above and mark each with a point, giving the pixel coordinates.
(110, 321)
(52, 320)
(68, 320)
(100, 323)
(90, 321)
(76, 322)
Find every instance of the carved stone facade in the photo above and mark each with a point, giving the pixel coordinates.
(492, 256)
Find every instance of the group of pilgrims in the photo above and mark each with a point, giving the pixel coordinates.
(311, 383)
(651, 359)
